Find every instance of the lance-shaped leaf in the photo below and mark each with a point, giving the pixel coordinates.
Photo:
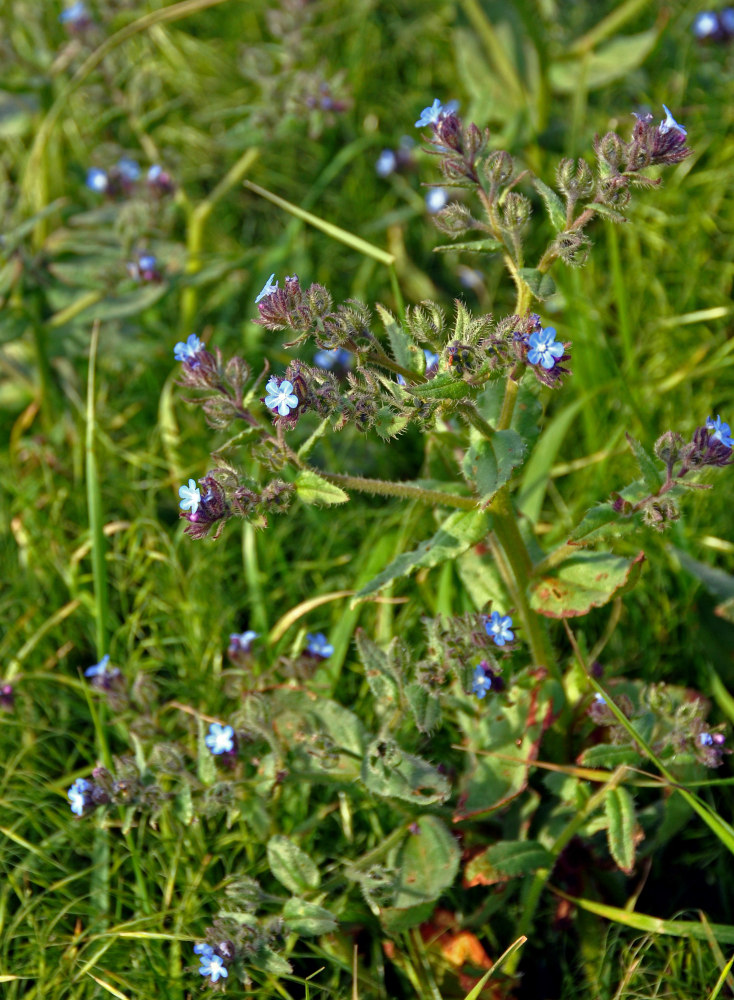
(488, 463)
(502, 740)
(425, 706)
(585, 581)
(442, 386)
(384, 684)
(458, 532)
(292, 867)
(610, 755)
(505, 860)
(473, 246)
(205, 766)
(400, 342)
(620, 813)
(306, 918)
(540, 284)
(311, 488)
(427, 864)
(553, 204)
(598, 524)
(389, 771)
(648, 466)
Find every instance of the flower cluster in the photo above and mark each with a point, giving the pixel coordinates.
(211, 962)
(122, 179)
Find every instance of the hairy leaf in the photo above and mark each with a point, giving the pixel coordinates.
(541, 285)
(427, 864)
(489, 462)
(292, 867)
(505, 860)
(648, 466)
(553, 204)
(309, 919)
(388, 771)
(620, 812)
(587, 580)
(311, 488)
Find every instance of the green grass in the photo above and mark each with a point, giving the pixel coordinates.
(93, 556)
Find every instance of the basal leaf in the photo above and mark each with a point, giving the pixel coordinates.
(505, 860)
(587, 580)
(457, 533)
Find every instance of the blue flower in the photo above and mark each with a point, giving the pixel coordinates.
(400, 379)
(387, 161)
(147, 262)
(544, 348)
(203, 949)
(670, 123)
(436, 199)
(97, 180)
(318, 646)
(98, 668)
(240, 643)
(187, 351)
(128, 169)
(705, 25)
(600, 699)
(431, 358)
(499, 628)
(720, 431)
(338, 357)
(481, 681)
(212, 965)
(430, 115)
(706, 739)
(74, 14)
(280, 397)
(220, 739)
(79, 795)
(190, 496)
(268, 288)
(726, 16)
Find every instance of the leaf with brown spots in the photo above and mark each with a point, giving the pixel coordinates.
(585, 581)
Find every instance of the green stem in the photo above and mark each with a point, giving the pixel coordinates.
(94, 502)
(504, 523)
(477, 421)
(405, 491)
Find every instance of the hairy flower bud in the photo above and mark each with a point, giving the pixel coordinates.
(455, 220)
(498, 168)
(516, 211)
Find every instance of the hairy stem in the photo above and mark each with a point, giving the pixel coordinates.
(406, 491)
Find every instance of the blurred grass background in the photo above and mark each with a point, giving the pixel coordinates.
(202, 88)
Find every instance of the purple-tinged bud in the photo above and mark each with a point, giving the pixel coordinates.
(7, 698)
(159, 181)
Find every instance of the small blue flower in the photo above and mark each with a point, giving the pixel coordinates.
(720, 431)
(430, 115)
(190, 496)
(268, 288)
(337, 357)
(386, 163)
(431, 358)
(147, 262)
(241, 642)
(318, 646)
(128, 169)
(706, 739)
(436, 199)
(280, 397)
(203, 949)
(499, 628)
(220, 739)
(213, 966)
(98, 668)
(97, 180)
(705, 25)
(544, 348)
(726, 17)
(481, 681)
(400, 379)
(670, 123)
(600, 699)
(79, 795)
(73, 15)
(187, 351)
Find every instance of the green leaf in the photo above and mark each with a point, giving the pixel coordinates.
(311, 488)
(536, 473)
(307, 918)
(599, 523)
(292, 867)
(425, 706)
(607, 212)
(648, 466)
(473, 246)
(400, 341)
(553, 204)
(610, 755)
(699, 930)
(541, 285)
(384, 685)
(441, 386)
(427, 865)
(388, 423)
(620, 812)
(613, 61)
(587, 580)
(388, 771)
(267, 960)
(205, 766)
(718, 583)
(501, 745)
(457, 533)
(489, 462)
(505, 860)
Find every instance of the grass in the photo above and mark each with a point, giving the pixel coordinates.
(97, 439)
